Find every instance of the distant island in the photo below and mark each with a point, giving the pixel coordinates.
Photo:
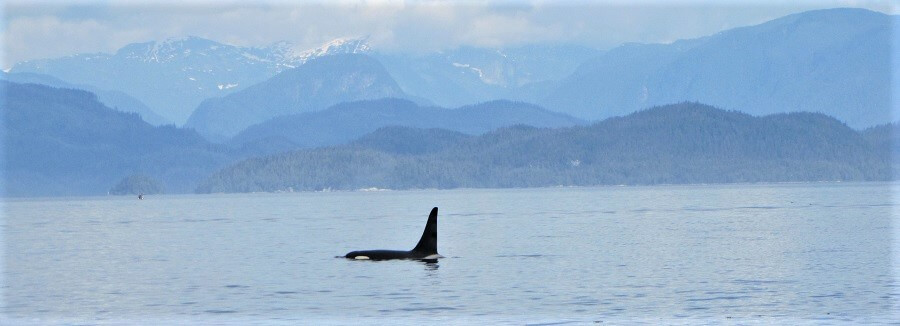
(136, 185)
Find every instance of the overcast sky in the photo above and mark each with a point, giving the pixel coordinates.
(42, 29)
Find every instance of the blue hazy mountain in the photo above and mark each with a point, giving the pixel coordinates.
(313, 86)
(347, 121)
(113, 99)
(65, 142)
(468, 75)
(834, 61)
(173, 76)
(681, 143)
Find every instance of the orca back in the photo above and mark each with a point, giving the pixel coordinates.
(428, 243)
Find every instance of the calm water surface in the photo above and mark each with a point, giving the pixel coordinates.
(786, 253)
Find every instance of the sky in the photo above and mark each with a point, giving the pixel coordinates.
(36, 29)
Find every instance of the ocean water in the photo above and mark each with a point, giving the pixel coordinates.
(774, 253)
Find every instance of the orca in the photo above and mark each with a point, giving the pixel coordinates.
(426, 249)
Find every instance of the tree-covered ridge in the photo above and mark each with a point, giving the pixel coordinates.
(65, 142)
(113, 99)
(680, 143)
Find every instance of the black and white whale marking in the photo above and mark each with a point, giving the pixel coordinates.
(426, 249)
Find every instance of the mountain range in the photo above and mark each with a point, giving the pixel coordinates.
(681, 143)
(805, 97)
(65, 142)
(835, 61)
(61, 141)
(173, 76)
(347, 121)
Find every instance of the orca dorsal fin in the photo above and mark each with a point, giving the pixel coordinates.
(428, 243)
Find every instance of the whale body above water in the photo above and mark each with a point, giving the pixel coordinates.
(426, 249)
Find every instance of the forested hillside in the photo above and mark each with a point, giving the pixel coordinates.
(681, 143)
(65, 142)
(113, 99)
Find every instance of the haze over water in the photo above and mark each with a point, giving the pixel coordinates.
(780, 253)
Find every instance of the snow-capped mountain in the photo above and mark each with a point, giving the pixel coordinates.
(285, 55)
(336, 46)
(313, 86)
(175, 75)
(469, 75)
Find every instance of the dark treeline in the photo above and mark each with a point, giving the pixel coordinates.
(681, 143)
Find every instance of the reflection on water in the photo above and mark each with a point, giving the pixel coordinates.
(670, 254)
(430, 264)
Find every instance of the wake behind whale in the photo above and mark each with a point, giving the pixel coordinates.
(425, 249)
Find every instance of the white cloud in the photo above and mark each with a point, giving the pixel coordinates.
(48, 36)
(50, 29)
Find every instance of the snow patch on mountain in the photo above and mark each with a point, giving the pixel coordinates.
(337, 46)
(477, 71)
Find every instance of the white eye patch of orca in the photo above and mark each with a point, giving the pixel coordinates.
(361, 257)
